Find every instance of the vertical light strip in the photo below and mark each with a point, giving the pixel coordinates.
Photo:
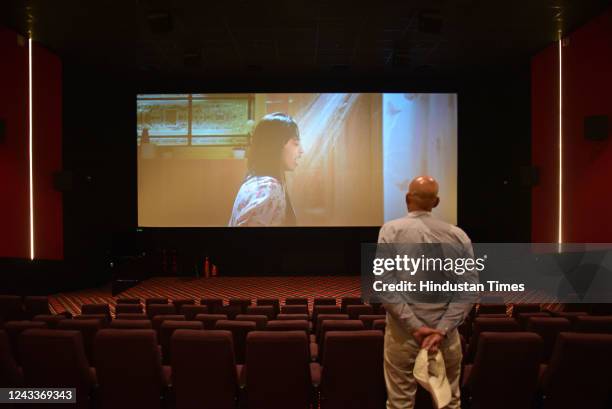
(30, 156)
(560, 222)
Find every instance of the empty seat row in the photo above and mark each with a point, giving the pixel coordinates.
(14, 307)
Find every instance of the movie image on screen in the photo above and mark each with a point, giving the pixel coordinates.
(291, 159)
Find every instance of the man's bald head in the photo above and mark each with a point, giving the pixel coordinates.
(422, 194)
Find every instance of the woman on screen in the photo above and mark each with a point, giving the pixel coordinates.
(263, 199)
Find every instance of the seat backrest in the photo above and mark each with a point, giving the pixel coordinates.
(55, 359)
(380, 324)
(288, 325)
(347, 382)
(593, 324)
(294, 309)
(324, 317)
(209, 320)
(159, 319)
(131, 324)
(128, 368)
(203, 369)
(336, 325)
(179, 302)
(128, 309)
(160, 309)
(51, 319)
(578, 374)
(88, 330)
(239, 330)
(296, 301)
(505, 370)
(346, 301)
(292, 317)
(11, 308)
(128, 300)
(190, 311)
(323, 309)
(15, 328)
(131, 316)
(368, 319)
(523, 317)
(266, 310)
(156, 300)
(215, 305)
(490, 325)
(548, 328)
(36, 305)
(324, 301)
(488, 308)
(10, 373)
(98, 309)
(277, 374)
(354, 311)
(274, 302)
(167, 329)
(259, 320)
(243, 303)
(520, 308)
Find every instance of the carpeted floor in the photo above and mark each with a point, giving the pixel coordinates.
(220, 287)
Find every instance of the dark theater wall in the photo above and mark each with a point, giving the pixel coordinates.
(587, 165)
(47, 127)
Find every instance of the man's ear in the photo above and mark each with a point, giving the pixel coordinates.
(437, 202)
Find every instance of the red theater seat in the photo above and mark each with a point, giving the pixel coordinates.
(190, 311)
(160, 309)
(292, 317)
(323, 309)
(368, 320)
(243, 303)
(56, 359)
(548, 328)
(324, 301)
(296, 301)
(179, 302)
(239, 330)
(167, 329)
(379, 325)
(15, 328)
(523, 317)
(346, 301)
(159, 319)
(521, 308)
(129, 370)
(259, 320)
(215, 305)
(277, 370)
(209, 320)
(354, 311)
(203, 369)
(505, 371)
(51, 319)
(34, 305)
(128, 309)
(323, 317)
(294, 309)
(10, 374)
(11, 308)
(347, 382)
(88, 330)
(103, 318)
(489, 325)
(131, 324)
(155, 300)
(288, 325)
(491, 309)
(131, 316)
(266, 310)
(128, 300)
(593, 324)
(578, 375)
(274, 302)
(96, 309)
(317, 350)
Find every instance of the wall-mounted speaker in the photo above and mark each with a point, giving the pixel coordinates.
(596, 127)
(2, 130)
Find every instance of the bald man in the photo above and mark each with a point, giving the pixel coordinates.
(433, 326)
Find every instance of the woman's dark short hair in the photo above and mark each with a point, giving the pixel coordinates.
(269, 137)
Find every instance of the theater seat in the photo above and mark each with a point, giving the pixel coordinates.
(51, 319)
(129, 370)
(128, 300)
(88, 330)
(578, 375)
(489, 325)
(167, 329)
(10, 374)
(11, 308)
(527, 307)
(288, 325)
(324, 301)
(159, 319)
(354, 311)
(160, 309)
(317, 350)
(505, 371)
(259, 320)
(593, 324)
(274, 302)
(15, 328)
(203, 369)
(128, 309)
(209, 320)
(215, 305)
(347, 382)
(548, 328)
(379, 325)
(368, 319)
(56, 359)
(96, 309)
(277, 370)
(296, 301)
(346, 301)
(131, 324)
(294, 309)
(292, 317)
(239, 330)
(243, 303)
(267, 310)
(155, 300)
(190, 311)
(323, 309)
(34, 305)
